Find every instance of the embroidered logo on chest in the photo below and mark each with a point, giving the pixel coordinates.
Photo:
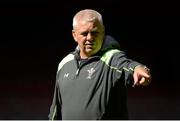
(90, 72)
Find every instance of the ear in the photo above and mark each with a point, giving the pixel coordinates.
(74, 35)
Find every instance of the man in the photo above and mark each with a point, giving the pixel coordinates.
(91, 82)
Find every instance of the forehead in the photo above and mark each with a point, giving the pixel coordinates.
(84, 25)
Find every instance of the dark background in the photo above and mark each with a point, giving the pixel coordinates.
(36, 35)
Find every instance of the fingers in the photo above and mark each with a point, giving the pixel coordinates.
(141, 76)
(144, 81)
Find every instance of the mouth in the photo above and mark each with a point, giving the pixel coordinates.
(89, 45)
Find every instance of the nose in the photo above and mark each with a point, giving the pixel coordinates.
(89, 36)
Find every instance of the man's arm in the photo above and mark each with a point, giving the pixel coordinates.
(55, 109)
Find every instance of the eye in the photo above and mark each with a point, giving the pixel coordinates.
(84, 33)
(95, 32)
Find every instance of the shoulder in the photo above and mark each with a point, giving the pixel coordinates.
(66, 59)
(106, 57)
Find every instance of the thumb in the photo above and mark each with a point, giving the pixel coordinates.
(135, 79)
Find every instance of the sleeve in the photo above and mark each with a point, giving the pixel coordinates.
(124, 67)
(55, 109)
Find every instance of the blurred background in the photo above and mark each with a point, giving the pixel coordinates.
(36, 35)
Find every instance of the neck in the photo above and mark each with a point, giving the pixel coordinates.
(84, 56)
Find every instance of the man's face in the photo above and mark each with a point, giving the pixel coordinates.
(89, 36)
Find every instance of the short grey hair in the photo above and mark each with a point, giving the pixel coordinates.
(87, 15)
